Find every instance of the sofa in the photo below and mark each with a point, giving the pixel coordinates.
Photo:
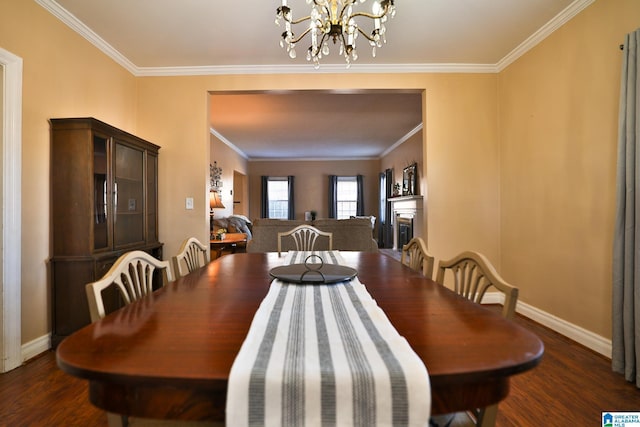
(354, 234)
(233, 224)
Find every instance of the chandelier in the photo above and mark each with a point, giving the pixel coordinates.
(335, 20)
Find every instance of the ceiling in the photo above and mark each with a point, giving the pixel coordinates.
(168, 37)
(316, 124)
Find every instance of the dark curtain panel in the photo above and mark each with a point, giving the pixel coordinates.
(388, 227)
(384, 208)
(292, 207)
(333, 191)
(360, 201)
(264, 198)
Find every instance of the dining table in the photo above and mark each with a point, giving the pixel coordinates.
(169, 354)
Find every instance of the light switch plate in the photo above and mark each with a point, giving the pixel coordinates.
(189, 203)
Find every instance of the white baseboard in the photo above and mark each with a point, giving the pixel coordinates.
(35, 347)
(580, 335)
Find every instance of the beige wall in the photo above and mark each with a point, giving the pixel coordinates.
(63, 76)
(519, 165)
(462, 137)
(312, 183)
(558, 128)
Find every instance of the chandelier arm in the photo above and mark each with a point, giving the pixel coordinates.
(301, 36)
(344, 7)
(297, 21)
(326, 8)
(344, 43)
(369, 15)
(324, 36)
(367, 36)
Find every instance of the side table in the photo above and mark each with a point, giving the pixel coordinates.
(230, 241)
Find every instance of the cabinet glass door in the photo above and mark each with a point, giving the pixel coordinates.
(128, 196)
(152, 198)
(100, 193)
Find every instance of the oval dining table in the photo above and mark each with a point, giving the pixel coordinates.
(169, 354)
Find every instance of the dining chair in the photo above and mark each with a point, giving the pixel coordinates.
(473, 274)
(416, 257)
(132, 274)
(191, 256)
(305, 237)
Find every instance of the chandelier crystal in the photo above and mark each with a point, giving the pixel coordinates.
(335, 20)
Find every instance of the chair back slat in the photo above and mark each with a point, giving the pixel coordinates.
(132, 274)
(191, 256)
(473, 275)
(304, 237)
(416, 257)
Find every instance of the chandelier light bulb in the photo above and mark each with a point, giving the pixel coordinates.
(339, 21)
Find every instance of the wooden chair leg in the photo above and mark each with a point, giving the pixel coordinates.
(487, 416)
(117, 420)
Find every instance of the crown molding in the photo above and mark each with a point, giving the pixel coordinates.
(309, 69)
(401, 140)
(228, 143)
(310, 159)
(79, 27)
(545, 31)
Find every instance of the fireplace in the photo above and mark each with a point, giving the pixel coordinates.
(408, 219)
(405, 231)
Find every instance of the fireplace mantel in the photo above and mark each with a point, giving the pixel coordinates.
(410, 207)
(404, 198)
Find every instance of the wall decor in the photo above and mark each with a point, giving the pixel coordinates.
(410, 180)
(215, 177)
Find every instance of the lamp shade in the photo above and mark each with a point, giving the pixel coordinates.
(215, 202)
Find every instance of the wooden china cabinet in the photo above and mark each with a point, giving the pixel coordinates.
(104, 188)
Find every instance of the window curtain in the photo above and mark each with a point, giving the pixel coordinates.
(360, 200)
(292, 208)
(264, 198)
(625, 356)
(333, 196)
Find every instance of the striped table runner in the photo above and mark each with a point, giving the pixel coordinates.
(325, 355)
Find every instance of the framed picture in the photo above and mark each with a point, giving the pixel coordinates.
(410, 180)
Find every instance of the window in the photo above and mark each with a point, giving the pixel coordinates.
(346, 197)
(277, 197)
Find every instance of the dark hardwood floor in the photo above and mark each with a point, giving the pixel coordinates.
(40, 394)
(571, 387)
